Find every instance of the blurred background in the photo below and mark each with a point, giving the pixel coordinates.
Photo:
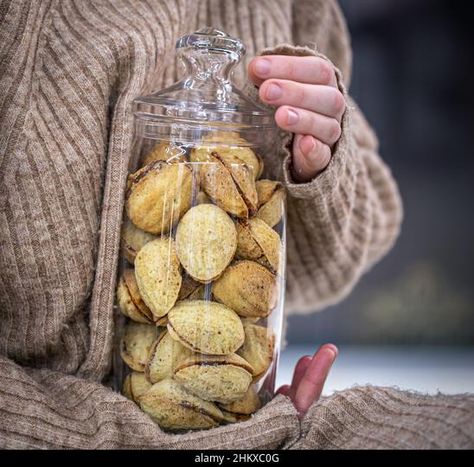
(410, 320)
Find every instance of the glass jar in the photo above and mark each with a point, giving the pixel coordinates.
(201, 283)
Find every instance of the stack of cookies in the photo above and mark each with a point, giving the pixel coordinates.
(204, 274)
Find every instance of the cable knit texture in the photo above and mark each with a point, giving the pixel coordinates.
(69, 72)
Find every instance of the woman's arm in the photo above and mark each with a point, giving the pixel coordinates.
(45, 409)
(347, 216)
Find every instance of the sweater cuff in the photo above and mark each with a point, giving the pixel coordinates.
(326, 181)
(387, 418)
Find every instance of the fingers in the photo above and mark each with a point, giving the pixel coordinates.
(325, 100)
(310, 156)
(311, 70)
(300, 369)
(301, 121)
(312, 383)
(309, 104)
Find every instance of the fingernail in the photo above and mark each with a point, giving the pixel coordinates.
(292, 117)
(262, 67)
(307, 145)
(273, 92)
(334, 349)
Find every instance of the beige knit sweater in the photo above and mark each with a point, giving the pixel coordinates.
(69, 71)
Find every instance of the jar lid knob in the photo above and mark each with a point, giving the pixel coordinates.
(213, 40)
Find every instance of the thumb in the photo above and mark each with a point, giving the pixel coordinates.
(310, 156)
(312, 383)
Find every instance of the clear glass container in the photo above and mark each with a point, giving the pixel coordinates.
(201, 283)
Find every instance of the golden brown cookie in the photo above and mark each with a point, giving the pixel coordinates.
(241, 156)
(126, 304)
(206, 241)
(174, 408)
(242, 175)
(247, 405)
(133, 239)
(215, 378)
(227, 179)
(158, 195)
(206, 327)
(132, 286)
(248, 288)
(135, 385)
(165, 151)
(237, 147)
(158, 275)
(217, 182)
(249, 158)
(271, 199)
(257, 241)
(165, 355)
(136, 343)
(258, 348)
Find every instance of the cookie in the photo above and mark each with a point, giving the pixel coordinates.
(248, 288)
(206, 240)
(271, 201)
(206, 327)
(136, 344)
(135, 385)
(126, 303)
(165, 151)
(215, 378)
(246, 405)
(158, 195)
(164, 356)
(132, 239)
(158, 275)
(226, 180)
(257, 241)
(175, 409)
(258, 348)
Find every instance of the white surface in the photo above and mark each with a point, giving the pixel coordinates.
(429, 370)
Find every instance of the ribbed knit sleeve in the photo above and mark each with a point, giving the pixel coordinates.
(346, 218)
(367, 417)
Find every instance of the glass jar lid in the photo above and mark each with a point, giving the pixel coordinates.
(204, 101)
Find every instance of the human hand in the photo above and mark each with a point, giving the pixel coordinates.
(309, 104)
(309, 377)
